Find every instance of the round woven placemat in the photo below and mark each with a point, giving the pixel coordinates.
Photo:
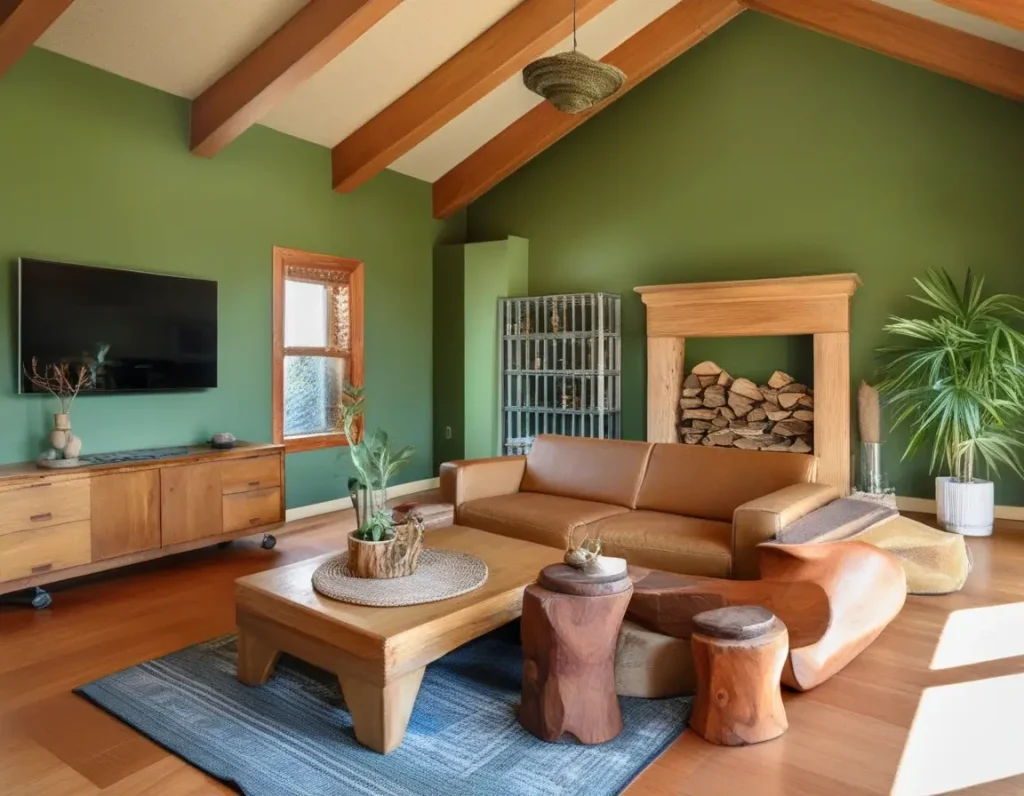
(441, 574)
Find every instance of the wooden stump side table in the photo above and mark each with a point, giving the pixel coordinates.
(569, 642)
(738, 655)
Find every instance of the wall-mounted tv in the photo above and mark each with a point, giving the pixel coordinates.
(135, 331)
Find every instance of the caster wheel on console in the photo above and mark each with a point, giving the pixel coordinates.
(41, 599)
(269, 542)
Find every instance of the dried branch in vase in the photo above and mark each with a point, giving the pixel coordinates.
(57, 380)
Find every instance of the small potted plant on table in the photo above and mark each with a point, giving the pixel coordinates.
(959, 382)
(377, 548)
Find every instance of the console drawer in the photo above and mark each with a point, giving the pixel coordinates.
(42, 550)
(247, 475)
(252, 509)
(44, 505)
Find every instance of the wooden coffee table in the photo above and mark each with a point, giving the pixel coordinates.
(379, 654)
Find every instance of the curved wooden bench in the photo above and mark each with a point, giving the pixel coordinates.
(834, 598)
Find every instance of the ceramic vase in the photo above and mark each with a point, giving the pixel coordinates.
(966, 507)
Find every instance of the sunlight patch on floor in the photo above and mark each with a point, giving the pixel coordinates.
(977, 635)
(963, 735)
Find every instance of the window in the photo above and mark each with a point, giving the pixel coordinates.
(318, 344)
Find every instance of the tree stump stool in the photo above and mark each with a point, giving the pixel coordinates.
(570, 627)
(738, 655)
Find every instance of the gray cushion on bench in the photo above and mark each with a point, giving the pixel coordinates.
(840, 519)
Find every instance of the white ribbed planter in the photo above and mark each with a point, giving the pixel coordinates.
(967, 508)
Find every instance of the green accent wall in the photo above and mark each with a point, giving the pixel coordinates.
(766, 151)
(96, 170)
(468, 282)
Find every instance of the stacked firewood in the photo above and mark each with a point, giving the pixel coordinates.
(717, 409)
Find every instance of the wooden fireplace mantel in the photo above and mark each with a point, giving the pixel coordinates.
(815, 305)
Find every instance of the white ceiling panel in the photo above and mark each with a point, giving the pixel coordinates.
(183, 46)
(951, 18)
(392, 57)
(178, 46)
(511, 100)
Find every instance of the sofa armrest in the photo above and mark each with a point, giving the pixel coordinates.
(472, 479)
(761, 519)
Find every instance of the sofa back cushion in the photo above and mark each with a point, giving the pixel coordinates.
(707, 482)
(601, 470)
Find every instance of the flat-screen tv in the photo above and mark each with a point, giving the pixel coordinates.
(134, 331)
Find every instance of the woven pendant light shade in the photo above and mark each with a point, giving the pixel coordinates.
(572, 81)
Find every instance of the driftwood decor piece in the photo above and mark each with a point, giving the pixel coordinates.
(395, 557)
(716, 409)
(738, 655)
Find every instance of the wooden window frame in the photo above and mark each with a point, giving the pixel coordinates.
(283, 259)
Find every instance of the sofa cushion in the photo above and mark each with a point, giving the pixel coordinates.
(543, 519)
(701, 481)
(601, 470)
(654, 539)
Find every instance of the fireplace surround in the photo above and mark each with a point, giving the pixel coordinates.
(814, 305)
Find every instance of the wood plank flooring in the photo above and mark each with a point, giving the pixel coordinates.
(846, 737)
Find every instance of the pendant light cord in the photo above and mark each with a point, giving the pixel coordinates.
(574, 25)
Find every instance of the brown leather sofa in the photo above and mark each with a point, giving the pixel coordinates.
(690, 509)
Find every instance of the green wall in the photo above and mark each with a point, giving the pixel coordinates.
(769, 150)
(468, 282)
(95, 169)
(494, 270)
(449, 360)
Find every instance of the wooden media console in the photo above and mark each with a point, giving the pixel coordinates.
(59, 524)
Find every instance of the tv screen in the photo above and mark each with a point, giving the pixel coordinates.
(134, 331)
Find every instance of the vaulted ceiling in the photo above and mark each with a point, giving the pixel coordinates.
(432, 88)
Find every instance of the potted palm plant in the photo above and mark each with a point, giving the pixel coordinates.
(958, 380)
(377, 548)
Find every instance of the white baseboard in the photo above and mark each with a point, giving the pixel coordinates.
(927, 506)
(399, 490)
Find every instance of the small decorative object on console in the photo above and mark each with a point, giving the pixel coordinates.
(58, 380)
(223, 441)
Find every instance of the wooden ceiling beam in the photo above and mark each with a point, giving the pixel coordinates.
(640, 56)
(524, 34)
(1004, 12)
(22, 22)
(303, 46)
(980, 62)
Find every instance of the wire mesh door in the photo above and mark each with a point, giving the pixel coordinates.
(560, 368)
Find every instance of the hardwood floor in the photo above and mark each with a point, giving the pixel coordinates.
(846, 737)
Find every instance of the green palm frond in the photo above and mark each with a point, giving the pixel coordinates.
(958, 378)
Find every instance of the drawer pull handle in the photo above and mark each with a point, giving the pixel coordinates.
(41, 517)
(255, 521)
(254, 483)
(41, 569)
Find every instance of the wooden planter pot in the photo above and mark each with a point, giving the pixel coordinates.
(389, 558)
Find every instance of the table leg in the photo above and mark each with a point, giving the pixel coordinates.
(380, 714)
(256, 658)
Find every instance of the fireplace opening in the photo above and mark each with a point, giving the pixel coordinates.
(722, 410)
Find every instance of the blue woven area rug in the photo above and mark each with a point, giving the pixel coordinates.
(294, 735)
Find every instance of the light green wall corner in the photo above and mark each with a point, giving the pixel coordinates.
(765, 151)
(468, 281)
(96, 169)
